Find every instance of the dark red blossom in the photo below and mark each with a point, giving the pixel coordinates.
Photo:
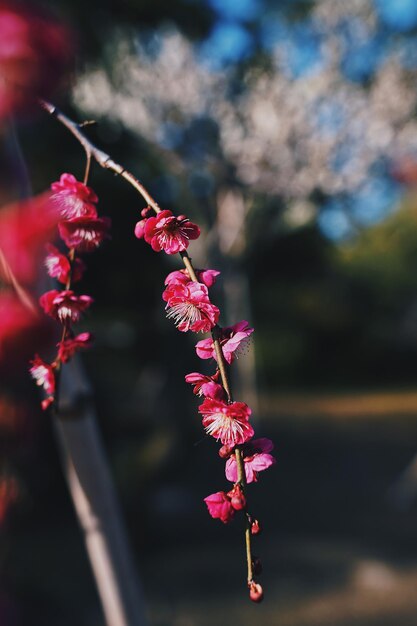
(64, 306)
(84, 233)
(228, 423)
(167, 232)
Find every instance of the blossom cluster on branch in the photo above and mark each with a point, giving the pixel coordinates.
(81, 230)
(188, 303)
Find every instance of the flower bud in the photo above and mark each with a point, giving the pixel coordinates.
(237, 498)
(255, 528)
(147, 212)
(256, 593)
(225, 452)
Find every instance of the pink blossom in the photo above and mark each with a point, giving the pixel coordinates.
(64, 305)
(190, 307)
(206, 277)
(167, 232)
(256, 458)
(227, 422)
(220, 507)
(73, 199)
(206, 385)
(68, 347)
(231, 339)
(43, 374)
(59, 266)
(84, 233)
(34, 53)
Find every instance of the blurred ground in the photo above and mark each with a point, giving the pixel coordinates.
(337, 549)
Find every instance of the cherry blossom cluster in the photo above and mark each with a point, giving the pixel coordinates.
(188, 303)
(81, 230)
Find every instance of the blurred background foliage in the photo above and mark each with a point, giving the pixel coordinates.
(287, 130)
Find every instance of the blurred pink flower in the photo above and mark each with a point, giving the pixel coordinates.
(190, 307)
(35, 52)
(43, 374)
(68, 347)
(256, 458)
(231, 339)
(59, 266)
(227, 422)
(167, 232)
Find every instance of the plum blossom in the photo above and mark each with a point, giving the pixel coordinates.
(167, 232)
(231, 339)
(64, 305)
(58, 266)
(43, 374)
(73, 199)
(190, 307)
(84, 233)
(206, 386)
(206, 277)
(68, 347)
(220, 507)
(256, 458)
(228, 423)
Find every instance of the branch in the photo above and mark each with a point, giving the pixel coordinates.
(105, 161)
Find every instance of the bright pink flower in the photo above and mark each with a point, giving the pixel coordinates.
(206, 277)
(206, 385)
(59, 266)
(227, 422)
(73, 199)
(190, 307)
(43, 374)
(231, 339)
(167, 232)
(64, 305)
(68, 347)
(256, 458)
(84, 233)
(220, 507)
